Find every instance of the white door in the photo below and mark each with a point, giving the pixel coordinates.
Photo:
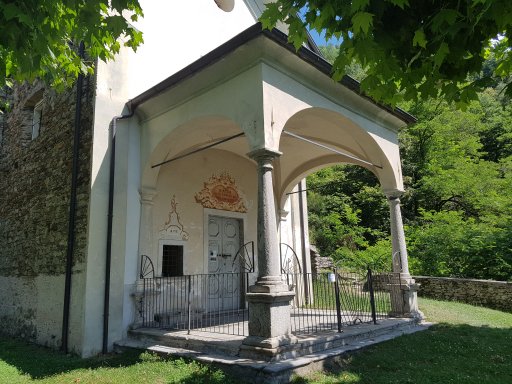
(223, 274)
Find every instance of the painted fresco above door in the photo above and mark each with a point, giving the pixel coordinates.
(221, 192)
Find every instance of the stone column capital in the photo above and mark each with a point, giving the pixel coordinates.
(264, 155)
(394, 195)
(147, 195)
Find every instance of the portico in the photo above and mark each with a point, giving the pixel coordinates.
(207, 158)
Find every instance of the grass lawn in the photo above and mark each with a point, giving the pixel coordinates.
(23, 363)
(469, 345)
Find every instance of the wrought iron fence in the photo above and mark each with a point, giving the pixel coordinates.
(330, 301)
(213, 303)
(216, 302)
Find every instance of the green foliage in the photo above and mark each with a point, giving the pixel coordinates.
(457, 168)
(410, 49)
(377, 257)
(448, 244)
(38, 38)
(458, 176)
(347, 213)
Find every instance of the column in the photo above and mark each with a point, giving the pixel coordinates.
(145, 248)
(269, 298)
(146, 222)
(400, 260)
(404, 297)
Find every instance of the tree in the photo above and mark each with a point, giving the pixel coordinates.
(39, 38)
(458, 176)
(410, 49)
(347, 213)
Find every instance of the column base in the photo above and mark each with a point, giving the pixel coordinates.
(404, 299)
(410, 295)
(269, 321)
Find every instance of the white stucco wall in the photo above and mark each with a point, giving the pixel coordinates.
(184, 179)
(176, 34)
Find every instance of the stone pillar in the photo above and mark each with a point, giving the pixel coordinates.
(145, 248)
(404, 298)
(400, 260)
(146, 222)
(269, 298)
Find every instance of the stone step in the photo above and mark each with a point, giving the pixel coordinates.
(281, 371)
(229, 345)
(349, 336)
(201, 342)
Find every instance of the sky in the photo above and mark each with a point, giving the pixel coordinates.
(320, 39)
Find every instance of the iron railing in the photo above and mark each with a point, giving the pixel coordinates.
(207, 302)
(341, 299)
(216, 302)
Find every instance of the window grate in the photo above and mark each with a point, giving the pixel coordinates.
(172, 260)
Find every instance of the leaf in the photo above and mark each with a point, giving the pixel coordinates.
(400, 3)
(419, 39)
(358, 5)
(10, 11)
(441, 54)
(443, 19)
(362, 21)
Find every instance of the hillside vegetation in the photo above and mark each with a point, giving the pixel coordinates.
(457, 208)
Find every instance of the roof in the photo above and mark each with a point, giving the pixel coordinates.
(305, 54)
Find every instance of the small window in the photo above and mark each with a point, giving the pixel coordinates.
(36, 119)
(172, 260)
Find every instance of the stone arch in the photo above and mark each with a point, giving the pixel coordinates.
(189, 136)
(376, 151)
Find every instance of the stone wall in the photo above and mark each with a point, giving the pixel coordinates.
(319, 263)
(35, 182)
(487, 293)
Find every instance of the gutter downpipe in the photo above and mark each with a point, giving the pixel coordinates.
(72, 207)
(110, 217)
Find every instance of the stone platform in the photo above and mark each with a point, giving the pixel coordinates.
(310, 353)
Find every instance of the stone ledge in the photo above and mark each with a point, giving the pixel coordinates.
(258, 371)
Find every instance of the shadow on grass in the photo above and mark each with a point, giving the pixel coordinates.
(40, 362)
(446, 353)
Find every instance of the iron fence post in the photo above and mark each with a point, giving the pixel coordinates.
(337, 297)
(189, 302)
(372, 296)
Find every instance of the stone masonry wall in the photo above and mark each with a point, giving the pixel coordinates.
(35, 180)
(319, 263)
(487, 293)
